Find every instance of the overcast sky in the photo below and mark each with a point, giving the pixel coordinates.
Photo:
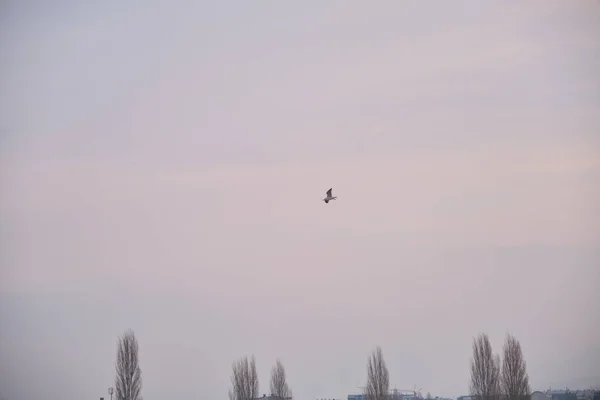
(162, 166)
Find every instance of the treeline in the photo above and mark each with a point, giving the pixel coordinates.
(244, 381)
(495, 378)
(492, 377)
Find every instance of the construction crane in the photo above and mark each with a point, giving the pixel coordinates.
(416, 393)
(402, 392)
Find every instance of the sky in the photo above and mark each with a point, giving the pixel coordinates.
(162, 166)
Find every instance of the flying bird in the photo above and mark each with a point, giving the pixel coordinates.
(329, 197)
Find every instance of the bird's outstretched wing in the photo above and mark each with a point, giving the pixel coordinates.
(329, 192)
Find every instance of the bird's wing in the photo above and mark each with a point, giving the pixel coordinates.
(329, 193)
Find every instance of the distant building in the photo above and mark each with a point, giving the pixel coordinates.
(566, 394)
(357, 397)
(537, 395)
(271, 397)
(405, 395)
(394, 394)
(587, 394)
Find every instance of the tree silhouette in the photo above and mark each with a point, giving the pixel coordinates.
(485, 370)
(279, 386)
(128, 380)
(244, 380)
(378, 379)
(514, 380)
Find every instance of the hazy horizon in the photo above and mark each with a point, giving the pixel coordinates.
(162, 169)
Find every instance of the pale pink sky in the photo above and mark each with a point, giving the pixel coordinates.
(162, 165)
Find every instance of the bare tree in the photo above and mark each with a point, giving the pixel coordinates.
(485, 370)
(244, 380)
(514, 380)
(279, 386)
(378, 379)
(128, 380)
